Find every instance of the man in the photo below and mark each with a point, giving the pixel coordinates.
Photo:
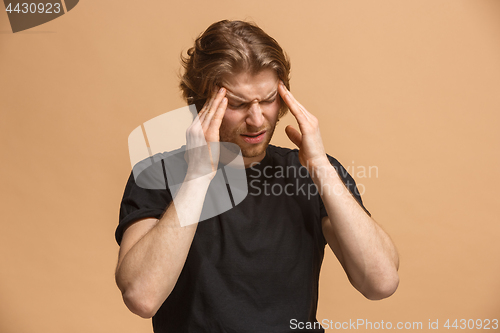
(254, 268)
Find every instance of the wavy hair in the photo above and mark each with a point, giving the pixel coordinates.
(230, 47)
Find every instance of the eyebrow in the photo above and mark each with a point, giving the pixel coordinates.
(242, 100)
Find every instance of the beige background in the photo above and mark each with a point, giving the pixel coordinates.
(409, 87)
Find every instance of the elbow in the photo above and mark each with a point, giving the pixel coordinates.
(139, 297)
(383, 288)
(139, 304)
(137, 300)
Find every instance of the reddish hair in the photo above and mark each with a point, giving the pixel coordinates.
(230, 47)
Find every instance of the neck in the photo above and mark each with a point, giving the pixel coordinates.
(252, 160)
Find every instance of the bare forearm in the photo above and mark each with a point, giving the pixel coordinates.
(148, 272)
(154, 252)
(367, 253)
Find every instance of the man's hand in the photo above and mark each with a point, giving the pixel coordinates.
(308, 140)
(153, 252)
(202, 137)
(365, 251)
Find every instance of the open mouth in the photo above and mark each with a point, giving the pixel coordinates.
(254, 138)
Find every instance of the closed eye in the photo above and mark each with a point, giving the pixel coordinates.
(238, 106)
(241, 105)
(269, 101)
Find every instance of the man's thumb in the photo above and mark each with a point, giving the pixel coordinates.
(293, 135)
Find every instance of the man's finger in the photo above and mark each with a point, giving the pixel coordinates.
(294, 106)
(292, 103)
(203, 111)
(294, 135)
(219, 114)
(207, 106)
(214, 107)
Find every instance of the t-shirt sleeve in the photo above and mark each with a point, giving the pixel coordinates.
(138, 203)
(348, 182)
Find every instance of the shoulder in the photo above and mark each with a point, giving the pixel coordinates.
(283, 156)
(281, 151)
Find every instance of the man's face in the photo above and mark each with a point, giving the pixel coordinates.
(252, 112)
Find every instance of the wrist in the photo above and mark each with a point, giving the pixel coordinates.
(318, 164)
(199, 178)
(323, 171)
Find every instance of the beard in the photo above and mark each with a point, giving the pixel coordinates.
(247, 150)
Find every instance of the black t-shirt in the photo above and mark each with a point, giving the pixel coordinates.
(254, 268)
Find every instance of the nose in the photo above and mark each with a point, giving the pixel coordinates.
(255, 117)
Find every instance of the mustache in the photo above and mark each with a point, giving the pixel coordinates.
(247, 129)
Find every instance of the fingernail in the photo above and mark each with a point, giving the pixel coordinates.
(221, 89)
